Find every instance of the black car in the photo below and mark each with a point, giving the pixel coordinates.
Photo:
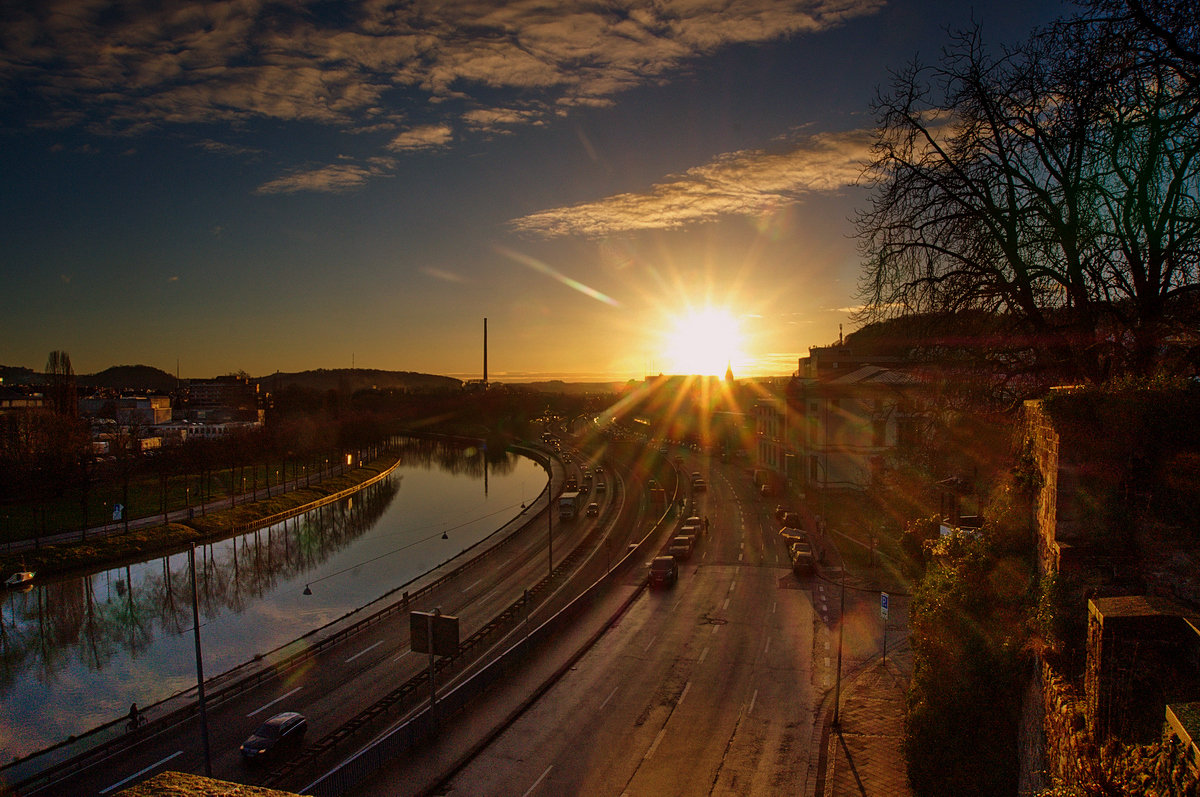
(281, 731)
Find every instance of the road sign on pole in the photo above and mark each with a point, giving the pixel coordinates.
(883, 605)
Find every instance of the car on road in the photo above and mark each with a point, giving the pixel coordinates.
(664, 571)
(281, 732)
(681, 546)
(803, 560)
(699, 485)
(601, 487)
(593, 509)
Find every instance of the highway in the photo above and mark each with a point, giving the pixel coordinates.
(703, 688)
(337, 685)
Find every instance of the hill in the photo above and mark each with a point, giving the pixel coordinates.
(349, 380)
(130, 377)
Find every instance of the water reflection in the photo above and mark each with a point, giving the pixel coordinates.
(74, 654)
(113, 611)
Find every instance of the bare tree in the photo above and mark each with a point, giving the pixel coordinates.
(1053, 184)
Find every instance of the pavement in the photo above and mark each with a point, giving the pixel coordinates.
(862, 753)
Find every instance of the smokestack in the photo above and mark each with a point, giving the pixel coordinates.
(485, 352)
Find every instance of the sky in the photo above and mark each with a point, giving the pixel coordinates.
(620, 188)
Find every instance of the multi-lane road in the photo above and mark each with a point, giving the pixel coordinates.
(702, 688)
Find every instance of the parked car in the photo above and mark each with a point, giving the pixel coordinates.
(802, 558)
(280, 732)
(664, 571)
(593, 509)
(681, 546)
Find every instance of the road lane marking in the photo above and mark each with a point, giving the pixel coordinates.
(402, 655)
(703, 655)
(683, 694)
(774, 606)
(753, 700)
(141, 772)
(767, 646)
(741, 556)
(273, 702)
(715, 627)
(651, 643)
(610, 697)
(364, 650)
(654, 744)
(537, 782)
(725, 605)
(732, 584)
(471, 586)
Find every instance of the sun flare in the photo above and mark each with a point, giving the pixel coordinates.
(703, 342)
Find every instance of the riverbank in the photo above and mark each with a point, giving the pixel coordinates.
(51, 561)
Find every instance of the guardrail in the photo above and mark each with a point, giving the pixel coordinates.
(268, 666)
(422, 726)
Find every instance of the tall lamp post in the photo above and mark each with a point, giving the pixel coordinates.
(550, 517)
(199, 663)
(837, 691)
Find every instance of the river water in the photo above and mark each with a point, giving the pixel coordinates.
(74, 654)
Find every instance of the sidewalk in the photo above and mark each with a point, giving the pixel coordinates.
(863, 756)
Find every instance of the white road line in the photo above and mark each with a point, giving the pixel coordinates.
(683, 694)
(715, 627)
(537, 782)
(767, 646)
(654, 744)
(364, 650)
(774, 606)
(732, 584)
(753, 700)
(610, 696)
(651, 643)
(741, 556)
(703, 655)
(273, 702)
(141, 772)
(402, 655)
(725, 605)
(471, 586)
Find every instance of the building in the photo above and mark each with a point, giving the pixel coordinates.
(837, 421)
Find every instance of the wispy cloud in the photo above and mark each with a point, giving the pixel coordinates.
(334, 178)
(424, 137)
(744, 183)
(372, 65)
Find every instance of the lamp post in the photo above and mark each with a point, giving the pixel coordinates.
(837, 691)
(199, 662)
(550, 517)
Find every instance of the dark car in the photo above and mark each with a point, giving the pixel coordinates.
(593, 509)
(278, 733)
(664, 571)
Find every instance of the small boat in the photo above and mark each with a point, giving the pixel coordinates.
(21, 578)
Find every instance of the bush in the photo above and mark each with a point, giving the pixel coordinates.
(968, 633)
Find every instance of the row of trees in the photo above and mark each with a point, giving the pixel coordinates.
(1055, 184)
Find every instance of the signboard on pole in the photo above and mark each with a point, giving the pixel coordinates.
(443, 629)
(883, 606)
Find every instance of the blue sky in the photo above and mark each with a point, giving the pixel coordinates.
(279, 186)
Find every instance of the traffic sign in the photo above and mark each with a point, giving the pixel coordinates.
(883, 605)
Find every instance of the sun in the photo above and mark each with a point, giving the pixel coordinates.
(703, 342)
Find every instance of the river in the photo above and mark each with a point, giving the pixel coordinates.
(75, 653)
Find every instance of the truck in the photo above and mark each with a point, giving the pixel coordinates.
(568, 505)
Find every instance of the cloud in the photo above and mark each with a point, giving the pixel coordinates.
(221, 148)
(425, 137)
(743, 183)
(441, 274)
(234, 61)
(334, 178)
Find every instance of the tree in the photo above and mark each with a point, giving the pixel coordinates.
(1053, 185)
(60, 388)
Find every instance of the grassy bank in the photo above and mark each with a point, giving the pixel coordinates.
(137, 544)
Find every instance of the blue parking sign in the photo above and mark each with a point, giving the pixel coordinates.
(883, 605)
